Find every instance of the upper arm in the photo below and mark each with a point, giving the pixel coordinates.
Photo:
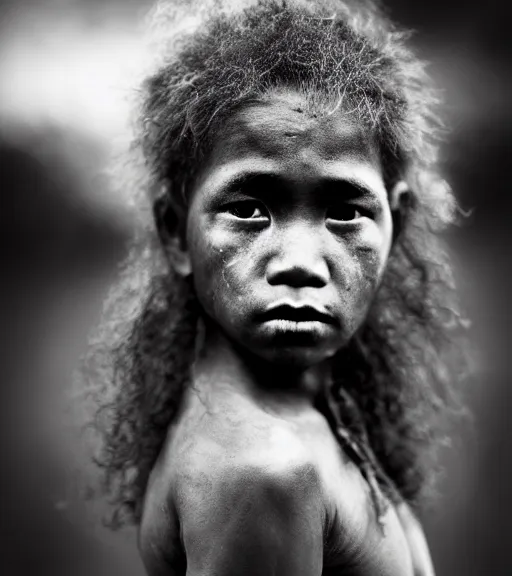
(253, 521)
(159, 532)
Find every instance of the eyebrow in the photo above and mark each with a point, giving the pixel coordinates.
(349, 187)
(262, 184)
(245, 179)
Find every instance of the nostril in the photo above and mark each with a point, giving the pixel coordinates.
(298, 275)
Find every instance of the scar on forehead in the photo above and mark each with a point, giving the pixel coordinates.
(301, 110)
(302, 100)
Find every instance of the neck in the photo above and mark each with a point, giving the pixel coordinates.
(222, 365)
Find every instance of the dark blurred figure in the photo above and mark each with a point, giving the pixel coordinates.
(57, 252)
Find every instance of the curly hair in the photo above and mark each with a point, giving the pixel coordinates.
(394, 382)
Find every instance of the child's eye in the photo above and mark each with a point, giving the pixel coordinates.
(247, 209)
(344, 213)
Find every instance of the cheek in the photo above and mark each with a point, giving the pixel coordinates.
(368, 252)
(221, 264)
(371, 249)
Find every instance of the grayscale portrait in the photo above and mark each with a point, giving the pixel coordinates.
(262, 332)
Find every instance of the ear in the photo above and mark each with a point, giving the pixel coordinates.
(171, 218)
(399, 200)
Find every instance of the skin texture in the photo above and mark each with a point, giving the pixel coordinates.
(251, 479)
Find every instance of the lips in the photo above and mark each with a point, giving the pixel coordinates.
(297, 314)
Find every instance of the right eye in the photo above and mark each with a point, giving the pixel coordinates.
(247, 210)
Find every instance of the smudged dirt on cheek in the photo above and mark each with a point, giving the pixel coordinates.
(234, 277)
(224, 276)
(369, 252)
(362, 275)
(371, 265)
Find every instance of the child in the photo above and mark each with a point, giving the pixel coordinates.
(276, 409)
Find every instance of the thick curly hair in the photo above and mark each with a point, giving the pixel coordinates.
(400, 369)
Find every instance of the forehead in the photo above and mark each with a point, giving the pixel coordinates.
(282, 133)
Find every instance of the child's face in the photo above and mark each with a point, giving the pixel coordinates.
(289, 230)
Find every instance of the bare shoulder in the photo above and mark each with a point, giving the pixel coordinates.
(246, 483)
(241, 451)
(227, 477)
(248, 496)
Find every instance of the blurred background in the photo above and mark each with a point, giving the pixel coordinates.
(66, 70)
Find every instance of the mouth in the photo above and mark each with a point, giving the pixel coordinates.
(297, 314)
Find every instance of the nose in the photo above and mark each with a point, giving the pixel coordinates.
(299, 261)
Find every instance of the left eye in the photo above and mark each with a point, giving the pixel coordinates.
(246, 210)
(344, 213)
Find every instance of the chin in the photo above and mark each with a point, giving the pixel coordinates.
(295, 357)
